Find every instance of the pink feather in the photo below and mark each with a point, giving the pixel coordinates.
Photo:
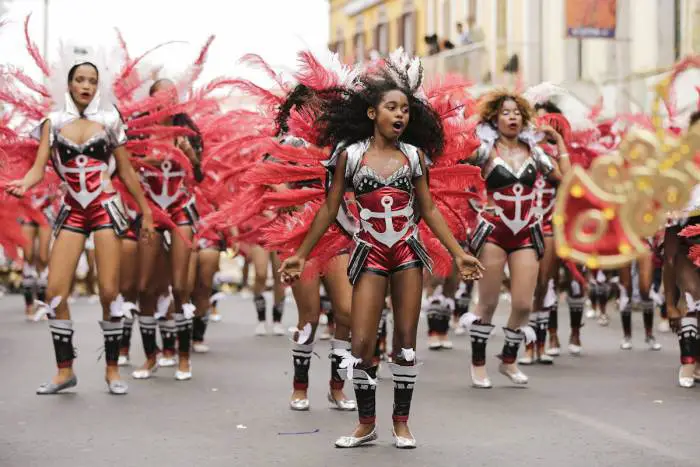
(33, 50)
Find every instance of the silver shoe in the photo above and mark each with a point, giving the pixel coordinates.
(684, 381)
(403, 443)
(526, 360)
(183, 375)
(652, 344)
(123, 360)
(353, 442)
(144, 373)
(545, 359)
(347, 405)
(299, 405)
(118, 387)
(480, 383)
(166, 362)
(51, 388)
(516, 377)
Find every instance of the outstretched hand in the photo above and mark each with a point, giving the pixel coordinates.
(17, 188)
(291, 269)
(470, 268)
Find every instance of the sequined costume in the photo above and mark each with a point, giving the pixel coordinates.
(165, 186)
(91, 202)
(512, 218)
(388, 239)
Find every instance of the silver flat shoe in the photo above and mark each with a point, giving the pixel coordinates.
(347, 405)
(353, 442)
(118, 387)
(51, 388)
(123, 360)
(516, 377)
(167, 362)
(299, 405)
(480, 383)
(403, 443)
(183, 375)
(684, 381)
(144, 373)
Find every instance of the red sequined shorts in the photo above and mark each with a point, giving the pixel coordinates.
(182, 212)
(371, 256)
(104, 212)
(493, 230)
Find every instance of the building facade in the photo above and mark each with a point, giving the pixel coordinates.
(358, 27)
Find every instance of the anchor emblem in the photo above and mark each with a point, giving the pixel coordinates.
(390, 236)
(517, 223)
(163, 199)
(84, 196)
(540, 208)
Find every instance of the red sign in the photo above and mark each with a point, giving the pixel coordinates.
(591, 18)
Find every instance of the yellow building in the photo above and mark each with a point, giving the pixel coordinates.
(358, 27)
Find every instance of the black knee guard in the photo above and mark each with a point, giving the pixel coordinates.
(62, 336)
(147, 327)
(479, 334)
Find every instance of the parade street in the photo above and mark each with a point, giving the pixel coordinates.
(607, 407)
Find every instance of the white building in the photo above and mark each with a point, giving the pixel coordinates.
(650, 36)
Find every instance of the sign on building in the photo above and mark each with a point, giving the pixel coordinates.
(591, 18)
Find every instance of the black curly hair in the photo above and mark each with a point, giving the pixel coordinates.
(343, 115)
(298, 98)
(549, 107)
(694, 117)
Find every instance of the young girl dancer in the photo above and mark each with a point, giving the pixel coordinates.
(377, 128)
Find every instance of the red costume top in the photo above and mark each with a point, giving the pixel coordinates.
(512, 218)
(388, 239)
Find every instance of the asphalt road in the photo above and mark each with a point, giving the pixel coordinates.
(605, 408)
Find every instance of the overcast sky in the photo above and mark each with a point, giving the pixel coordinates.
(275, 29)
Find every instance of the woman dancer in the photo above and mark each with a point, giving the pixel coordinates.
(128, 281)
(682, 255)
(546, 299)
(35, 251)
(372, 126)
(509, 231)
(85, 141)
(164, 182)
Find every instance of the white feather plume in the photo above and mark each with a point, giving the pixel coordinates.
(70, 54)
(331, 61)
(543, 92)
(401, 62)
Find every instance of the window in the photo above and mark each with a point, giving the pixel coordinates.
(382, 39)
(360, 47)
(447, 26)
(472, 9)
(409, 33)
(677, 26)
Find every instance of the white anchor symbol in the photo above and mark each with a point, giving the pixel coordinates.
(163, 199)
(390, 236)
(517, 223)
(84, 196)
(540, 208)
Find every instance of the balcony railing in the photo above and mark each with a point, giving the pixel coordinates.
(470, 61)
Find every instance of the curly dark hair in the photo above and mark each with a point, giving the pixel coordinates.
(343, 115)
(694, 117)
(491, 104)
(299, 98)
(549, 107)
